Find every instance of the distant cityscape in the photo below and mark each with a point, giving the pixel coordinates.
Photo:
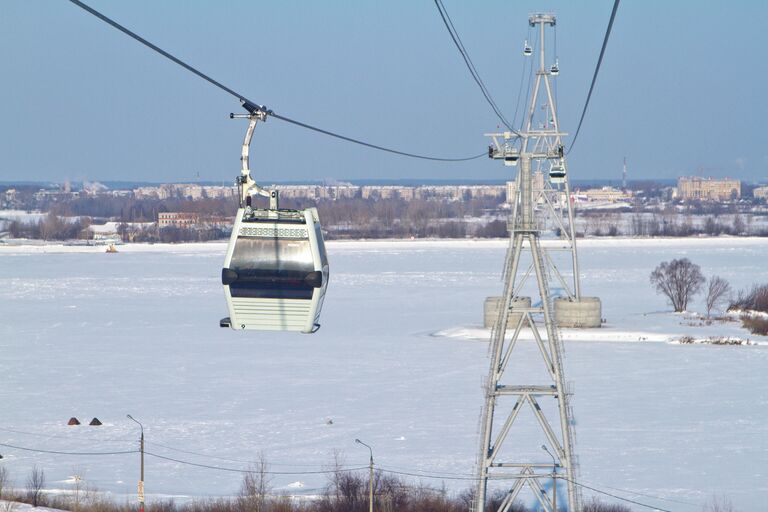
(193, 211)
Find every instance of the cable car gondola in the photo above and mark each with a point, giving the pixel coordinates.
(507, 152)
(557, 173)
(511, 155)
(276, 269)
(555, 69)
(527, 50)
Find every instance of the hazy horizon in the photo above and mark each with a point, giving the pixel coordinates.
(85, 102)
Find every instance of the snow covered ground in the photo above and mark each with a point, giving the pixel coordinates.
(398, 363)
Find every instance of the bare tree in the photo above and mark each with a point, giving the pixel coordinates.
(8, 506)
(255, 486)
(718, 292)
(719, 504)
(679, 280)
(82, 492)
(4, 481)
(35, 485)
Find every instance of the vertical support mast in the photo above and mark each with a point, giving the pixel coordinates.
(548, 139)
(496, 463)
(519, 470)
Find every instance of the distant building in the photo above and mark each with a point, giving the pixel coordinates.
(183, 191)
(760, 193)
(607, 194)
(176, 219)
(708, 189)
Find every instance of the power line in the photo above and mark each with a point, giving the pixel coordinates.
(429, 476)
(638, 493)
(254, 104)
(330, 471)
(241, 461)
(54, 436)
(617, 497)
(123, 441)
(470, 478)
(468, 61)
(239, 470)
(597, 70)
(56, 452)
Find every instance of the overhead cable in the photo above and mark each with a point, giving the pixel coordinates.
(56, 452)
(240, 470)
(654, 507)
(444, 477)
(226, 459)
(470, 65)
(474, 478)
(260, 107)
(597, 70)
(429, 476)
(374, 146)
(453, 476)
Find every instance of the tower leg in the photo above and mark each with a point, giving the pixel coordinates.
(498, 422)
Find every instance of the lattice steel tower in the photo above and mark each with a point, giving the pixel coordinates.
(508, 452)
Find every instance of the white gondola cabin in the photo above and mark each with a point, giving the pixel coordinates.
(276, 269)
(527, 50)
(557, 173)
(511, 156)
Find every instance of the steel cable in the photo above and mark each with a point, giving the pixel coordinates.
(597, 70)
(245, 100)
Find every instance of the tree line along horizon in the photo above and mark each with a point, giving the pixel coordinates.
(375, 217)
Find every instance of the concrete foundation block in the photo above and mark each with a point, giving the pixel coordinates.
(491, 310)
(584, 313)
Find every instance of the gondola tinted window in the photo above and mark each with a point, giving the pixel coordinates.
(274, 268)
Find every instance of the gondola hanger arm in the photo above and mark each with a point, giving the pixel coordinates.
(248, 186)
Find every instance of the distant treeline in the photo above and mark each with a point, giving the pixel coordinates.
(642, 224)
(343, 218)
(355, 218)
(346, 491)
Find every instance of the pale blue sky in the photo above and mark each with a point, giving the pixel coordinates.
(681, 90)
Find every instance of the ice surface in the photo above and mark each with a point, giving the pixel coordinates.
(88, 334)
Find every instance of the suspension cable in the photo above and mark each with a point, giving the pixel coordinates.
(597, 70)
(520, 90)
(524, 118)
(254, 104)
(470, 65)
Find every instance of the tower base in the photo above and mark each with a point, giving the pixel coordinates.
(491, 310)
(584, 313)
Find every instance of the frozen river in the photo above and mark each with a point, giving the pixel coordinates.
(88, 334)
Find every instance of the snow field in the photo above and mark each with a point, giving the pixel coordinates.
(85, 334)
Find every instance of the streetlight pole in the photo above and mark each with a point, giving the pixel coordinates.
(141, 450)
(370, 475)
(554, 478)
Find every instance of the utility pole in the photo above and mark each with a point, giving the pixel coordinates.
(554, 477)
(370, 476)
(141, 450)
